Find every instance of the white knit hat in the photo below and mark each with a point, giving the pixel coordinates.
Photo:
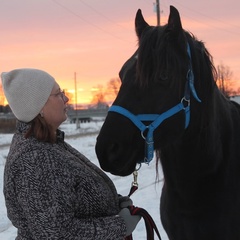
(27, 90)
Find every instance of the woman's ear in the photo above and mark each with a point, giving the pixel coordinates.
(41, 113)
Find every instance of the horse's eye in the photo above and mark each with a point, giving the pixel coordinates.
(163, 76)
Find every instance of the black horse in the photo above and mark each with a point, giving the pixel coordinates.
(169, 102)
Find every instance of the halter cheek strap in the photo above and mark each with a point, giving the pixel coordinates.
(157, 119)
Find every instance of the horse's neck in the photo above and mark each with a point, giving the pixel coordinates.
(221, 108)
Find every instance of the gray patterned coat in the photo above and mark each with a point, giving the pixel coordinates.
(53, 192)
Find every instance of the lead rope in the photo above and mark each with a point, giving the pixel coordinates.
(149, 222)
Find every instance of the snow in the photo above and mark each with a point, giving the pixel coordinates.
(147, 196)
(235, 99)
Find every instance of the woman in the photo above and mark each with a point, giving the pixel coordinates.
(51, 190)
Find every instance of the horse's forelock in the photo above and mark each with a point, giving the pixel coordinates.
(159, 57)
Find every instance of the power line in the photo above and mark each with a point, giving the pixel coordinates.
(102, 15)
(210, 17)
(88, 22)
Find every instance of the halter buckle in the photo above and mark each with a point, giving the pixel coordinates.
(185, 102)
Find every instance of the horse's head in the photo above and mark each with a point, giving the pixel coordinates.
(157, 81)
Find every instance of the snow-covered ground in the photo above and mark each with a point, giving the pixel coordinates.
(147, 196)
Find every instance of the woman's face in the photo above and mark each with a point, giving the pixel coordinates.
(54, 111)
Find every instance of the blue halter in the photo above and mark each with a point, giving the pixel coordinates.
(157, 119)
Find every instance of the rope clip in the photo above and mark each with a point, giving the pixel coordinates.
(135, 175)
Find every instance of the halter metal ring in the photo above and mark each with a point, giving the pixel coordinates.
(184, 100)
(142, 132)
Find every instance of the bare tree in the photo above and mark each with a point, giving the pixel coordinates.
(224, 79)
(112, 88)
(98, 99)
(103, 97)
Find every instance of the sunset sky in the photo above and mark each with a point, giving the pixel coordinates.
(94, 37)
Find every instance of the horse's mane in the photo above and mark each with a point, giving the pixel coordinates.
(203, 67)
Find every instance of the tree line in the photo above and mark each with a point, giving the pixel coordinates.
(225, 82)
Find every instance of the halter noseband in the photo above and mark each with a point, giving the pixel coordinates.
(157, 119)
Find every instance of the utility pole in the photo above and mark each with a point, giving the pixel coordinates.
(158, 12)
(76, 107)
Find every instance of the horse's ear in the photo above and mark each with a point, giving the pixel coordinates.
(174, 21)
(140, 23)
